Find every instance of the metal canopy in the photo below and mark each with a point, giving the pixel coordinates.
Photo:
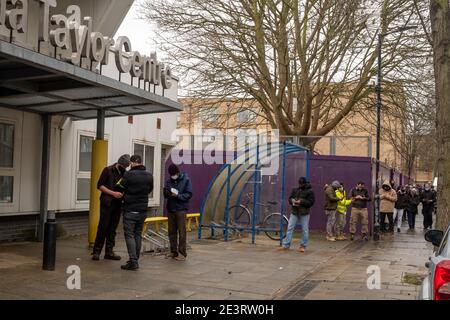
(34, 82)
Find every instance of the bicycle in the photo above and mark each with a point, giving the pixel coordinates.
(240, 218)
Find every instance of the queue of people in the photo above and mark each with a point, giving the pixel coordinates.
(127, 192)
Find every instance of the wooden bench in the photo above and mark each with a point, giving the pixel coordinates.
(157, 221)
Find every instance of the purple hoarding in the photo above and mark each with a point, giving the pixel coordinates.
(323, 170)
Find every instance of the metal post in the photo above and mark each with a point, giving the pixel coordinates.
(46, 134)
(100, 134)
(227, 203)
(49, 252)
(283, 188)
(255, 196)
(376, 231)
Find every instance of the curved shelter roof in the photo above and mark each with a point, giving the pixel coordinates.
(240, 173)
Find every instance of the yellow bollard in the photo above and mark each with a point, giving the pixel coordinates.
(98, 162)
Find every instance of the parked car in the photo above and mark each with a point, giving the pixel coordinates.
(436, 286)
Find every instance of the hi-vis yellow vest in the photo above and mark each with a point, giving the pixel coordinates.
(344, 203)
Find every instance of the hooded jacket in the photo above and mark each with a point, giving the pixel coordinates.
(387, 199)
(306, 196)
(344, 203)
(181, 201)
(331, 200)
(402, 200)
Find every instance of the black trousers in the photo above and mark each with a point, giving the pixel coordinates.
(412, 219)
(427, 212)
(390, 216)
(133, 222)
(177, 232)
(106, 231)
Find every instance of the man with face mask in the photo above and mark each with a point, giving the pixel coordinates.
(428, 198)
(388, 197)
(178, 192)
(110, 208)
(400, 206)
(301, 200)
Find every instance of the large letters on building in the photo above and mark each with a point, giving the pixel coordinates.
(77, 37)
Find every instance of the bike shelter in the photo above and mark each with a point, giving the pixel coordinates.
(257, 173)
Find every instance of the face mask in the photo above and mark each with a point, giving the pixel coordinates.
(175, 177)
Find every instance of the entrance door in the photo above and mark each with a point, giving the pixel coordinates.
(165, 153)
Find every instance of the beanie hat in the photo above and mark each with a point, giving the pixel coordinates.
(124, 160)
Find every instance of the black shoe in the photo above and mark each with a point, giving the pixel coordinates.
(130, 266)
(352, 237)
(398, 229)
(112, 256)
(95, 256)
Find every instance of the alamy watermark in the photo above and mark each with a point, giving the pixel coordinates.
(374, 279)
(74, 280)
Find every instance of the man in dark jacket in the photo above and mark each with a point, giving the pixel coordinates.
(110, 208)
(331, 203)
(136, 185)
(428, 198)
(178, 192)
(360, 196)
(400, 206)
(301, 200)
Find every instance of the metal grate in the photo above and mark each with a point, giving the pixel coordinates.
(300, 290)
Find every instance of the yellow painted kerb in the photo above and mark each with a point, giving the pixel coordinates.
(98, 163)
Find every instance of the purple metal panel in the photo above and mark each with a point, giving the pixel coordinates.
(326, 169)
(323, 169)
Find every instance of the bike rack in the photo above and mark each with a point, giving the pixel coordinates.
(232, 183)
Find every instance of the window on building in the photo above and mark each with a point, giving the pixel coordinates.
(6, 145)
(83, 189)
(245, 115)
(209, 114)
(84, 163)
(84, 167)
(147, 153)
(6, 162)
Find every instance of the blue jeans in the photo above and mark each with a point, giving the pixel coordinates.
(304, 222)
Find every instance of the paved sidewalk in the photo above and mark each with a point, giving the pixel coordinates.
(401, 258)
(219, 270)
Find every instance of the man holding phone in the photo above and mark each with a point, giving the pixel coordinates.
(360, 197)
(178, 192)
(301, 200)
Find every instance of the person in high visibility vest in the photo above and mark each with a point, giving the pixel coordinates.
(341, 213)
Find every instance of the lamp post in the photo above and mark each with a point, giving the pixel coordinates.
(376, 225)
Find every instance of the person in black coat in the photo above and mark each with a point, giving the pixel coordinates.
(301, 200)
(413, 202)
(136, 185)
(400, 206)
(178, 192)
(428, 198)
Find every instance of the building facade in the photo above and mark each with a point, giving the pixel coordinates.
(143, 128)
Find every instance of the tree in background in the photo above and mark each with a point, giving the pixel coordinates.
(307, 63)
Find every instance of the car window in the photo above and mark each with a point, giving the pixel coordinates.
(444, 245)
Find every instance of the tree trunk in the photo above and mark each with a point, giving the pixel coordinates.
(440, 23)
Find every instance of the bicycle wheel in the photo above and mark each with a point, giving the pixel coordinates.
(239, 218)
(271, 226)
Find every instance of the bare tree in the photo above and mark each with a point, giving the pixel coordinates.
(306, 62)
(440, 25)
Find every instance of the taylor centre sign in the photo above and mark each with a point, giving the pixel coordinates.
(74, 34)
